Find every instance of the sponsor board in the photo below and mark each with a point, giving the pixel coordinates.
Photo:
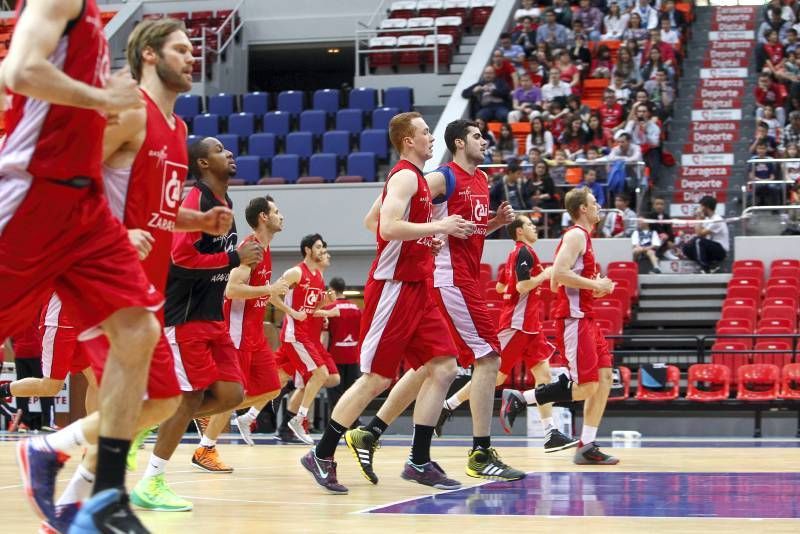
(693, 197)
(706, 160)
(720, 93)
(731, 45)
(688, 210)
(715, 137)
(718, 172)
(717, 103)
(725, 63)
(722, 83)
(707, 148)
(716, 114)
(732, 26)
(698, 183)
(739, 53)
(724, 73)
(717, 126)
(747, 35)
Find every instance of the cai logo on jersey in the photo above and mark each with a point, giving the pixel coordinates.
(312, 298)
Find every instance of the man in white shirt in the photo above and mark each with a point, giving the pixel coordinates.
(555, 87)
(711, 242)
(642, 130)
(625, 149)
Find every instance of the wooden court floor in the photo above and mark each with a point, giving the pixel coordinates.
(270, 492)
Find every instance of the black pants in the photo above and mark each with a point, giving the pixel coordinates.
(704, 251)
(349, 373)
(32, 368)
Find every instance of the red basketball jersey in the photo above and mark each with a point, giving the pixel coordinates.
(521, 312)
(245, 317)
(344, 332)
(459, 261)
(406, 261)
(303, 297)
(61, 142)
(147, 195)
(54, 315)
(571, 301)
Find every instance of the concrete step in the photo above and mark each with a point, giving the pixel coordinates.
(656, 294)
(470, 39)
(704, 280)
(680, 303)
(685, 317)
(461, 58)
(466, 49)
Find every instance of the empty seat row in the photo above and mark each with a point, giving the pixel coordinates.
(289, 166)
(475, 12)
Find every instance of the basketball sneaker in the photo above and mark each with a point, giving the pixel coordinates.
(590, 454)
(556, 441)
(513, 404)
(486, 463)
(429, 474)
(363, 444)
(245, 426)
(200, 424)
(207, 459)
(445, 416)
(152, 493)
(324, 472)
(107, 511)
(284, 435)
(299, 426)
(65, 515)
(132, 462)
(39, 465)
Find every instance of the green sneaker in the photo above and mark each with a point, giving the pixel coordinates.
(485, 463)
(363, 444)
(132, 463)
(152, 493)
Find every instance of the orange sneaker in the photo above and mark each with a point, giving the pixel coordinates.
(207, 459)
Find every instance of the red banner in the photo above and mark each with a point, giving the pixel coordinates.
(717, 103)
(719, 93)
(714, 126)
(725, 63)
(693, 197)
(733, 26)
(707, 148)
(716, 173)
(732, 45)
(722, 83)
(714, 137)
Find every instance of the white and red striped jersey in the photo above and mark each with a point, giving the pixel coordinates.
(521, 312)
(303, 297)
(245, 317)
(406, 261)
(54, 315)
(571, 301)
(60, 142)
(459, 261)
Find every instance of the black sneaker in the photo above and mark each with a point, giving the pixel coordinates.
(363, 444)
(556, 441)
(513, 404)
(107, 511)
(429, 474)
(445, 416)
(590, 454)
(485, 463)
(324, 472)
(286, 436)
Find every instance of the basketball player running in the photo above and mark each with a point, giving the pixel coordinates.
(576, 278)
(58, 234)
(401, 320)
(343, 337)
(459, 189)
(521, 337)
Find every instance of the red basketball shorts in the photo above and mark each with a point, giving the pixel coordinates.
(584, 348)
(203, 353)
(517, 346)
(54, 237)
(400, 322)
(471, 326)
(61, 353)
(260, 371)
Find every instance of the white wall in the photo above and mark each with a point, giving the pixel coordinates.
(767, 248)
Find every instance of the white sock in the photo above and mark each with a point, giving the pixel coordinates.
(302, 412)
(251, 414)
(452, 403)
(530, 396)
(205, 441)
(155, 466)
(588, 434)
(68, 439)
(79, 487)
(548, 423)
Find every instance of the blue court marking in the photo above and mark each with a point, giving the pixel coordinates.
(615, 494)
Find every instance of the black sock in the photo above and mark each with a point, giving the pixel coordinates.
(376, 427)
(482, 442)
(111, 456)
(285, 422)
(560, 391)
(5, 389)
(421, 444)
(330, 439)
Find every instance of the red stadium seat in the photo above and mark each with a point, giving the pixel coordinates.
(625, 380)
(781, 291)
(492, 295)
(774, 330)
(668, 394)
(728, 335)
(739, 301)
(748, 281)
(736, 323)
(785, 272)
(790, 381)
(623, 294)
(715, 379)
(756, 264)
(740, 312)
(404, 9)
(791, 284)
(631, 277)
(748, 272)
(744, 291)
(480, 12)
(758, 382)
(612, 316)
(784, 263)
(774, 352)
(779, 301)
(430, 8)
(777, 322)
(627, 265)
(730, 354)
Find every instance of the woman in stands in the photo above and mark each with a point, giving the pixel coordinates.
(540, 137)
(579, 53)
(615, 23)
(506, 143)
(596, 134)
(544, 192)
(575, 107)
(487, 134)
(627, 67)
(569, 72)
(574, 138)
(544, 55)
(654, 62)
(635, 30)
(602, 63)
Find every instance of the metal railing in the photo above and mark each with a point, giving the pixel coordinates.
(225, 34)
(748, 212)
(781, 179)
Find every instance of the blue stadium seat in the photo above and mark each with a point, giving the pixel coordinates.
(326, 100)
(325, 165)
(231, 142)
(206, 125)
(262, 145)
(376, 141)
(286, 166)
(256, 103)
(363, 98)
(291, 102)
(398, 97)
(350, 120)
(192, 139)
(242, 124)
(248, 168)
(277, 122)
(362, 164)
(188, 106)
(314, 121)
(336, 142)
(300, 143)
(382, 116)
(221, 104)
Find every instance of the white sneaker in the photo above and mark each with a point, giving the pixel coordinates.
(243, 423)
(669, 255)
(297, 426)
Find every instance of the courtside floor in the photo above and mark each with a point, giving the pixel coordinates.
(679, 486)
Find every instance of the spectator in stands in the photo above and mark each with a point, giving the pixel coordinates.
(774, 126)
(577, 108)
(525, 36)
(551, 32)
(773, 50)
(593, 155)
(661, 93)
(636, 30)
(791, 170)
(615, 23)
(655, 62)
(539, 137)
(647, 13)
(791, 134)
(504, 69)
(616, 225)
(591, 18)
(521, 66)
(574, 137)
(506, 143)
(645, 133)
(524, 99)
(555, 115)
(769, 92)
(668, 55)
(558, 167)
(677, 20)
(764, 194)
(627, 67)
(645, 242)
(711, 243)
(602, 63)
(490, 95)
(762, 136)
(669, 35)
(611, 113)
(579, 53)
(536, 70)
(527, 10)
(486, 133)
(786, 10)
(508, 48)
(622, 90)
(569, 71)
(555, 88)
(513, 187)
(663, 229)
(773, 22)
(534, 156)
(590, 181)
(543, 55)
(543, 190)
(563, 13)
(597, 135)
(625, 149)
(791, 45)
